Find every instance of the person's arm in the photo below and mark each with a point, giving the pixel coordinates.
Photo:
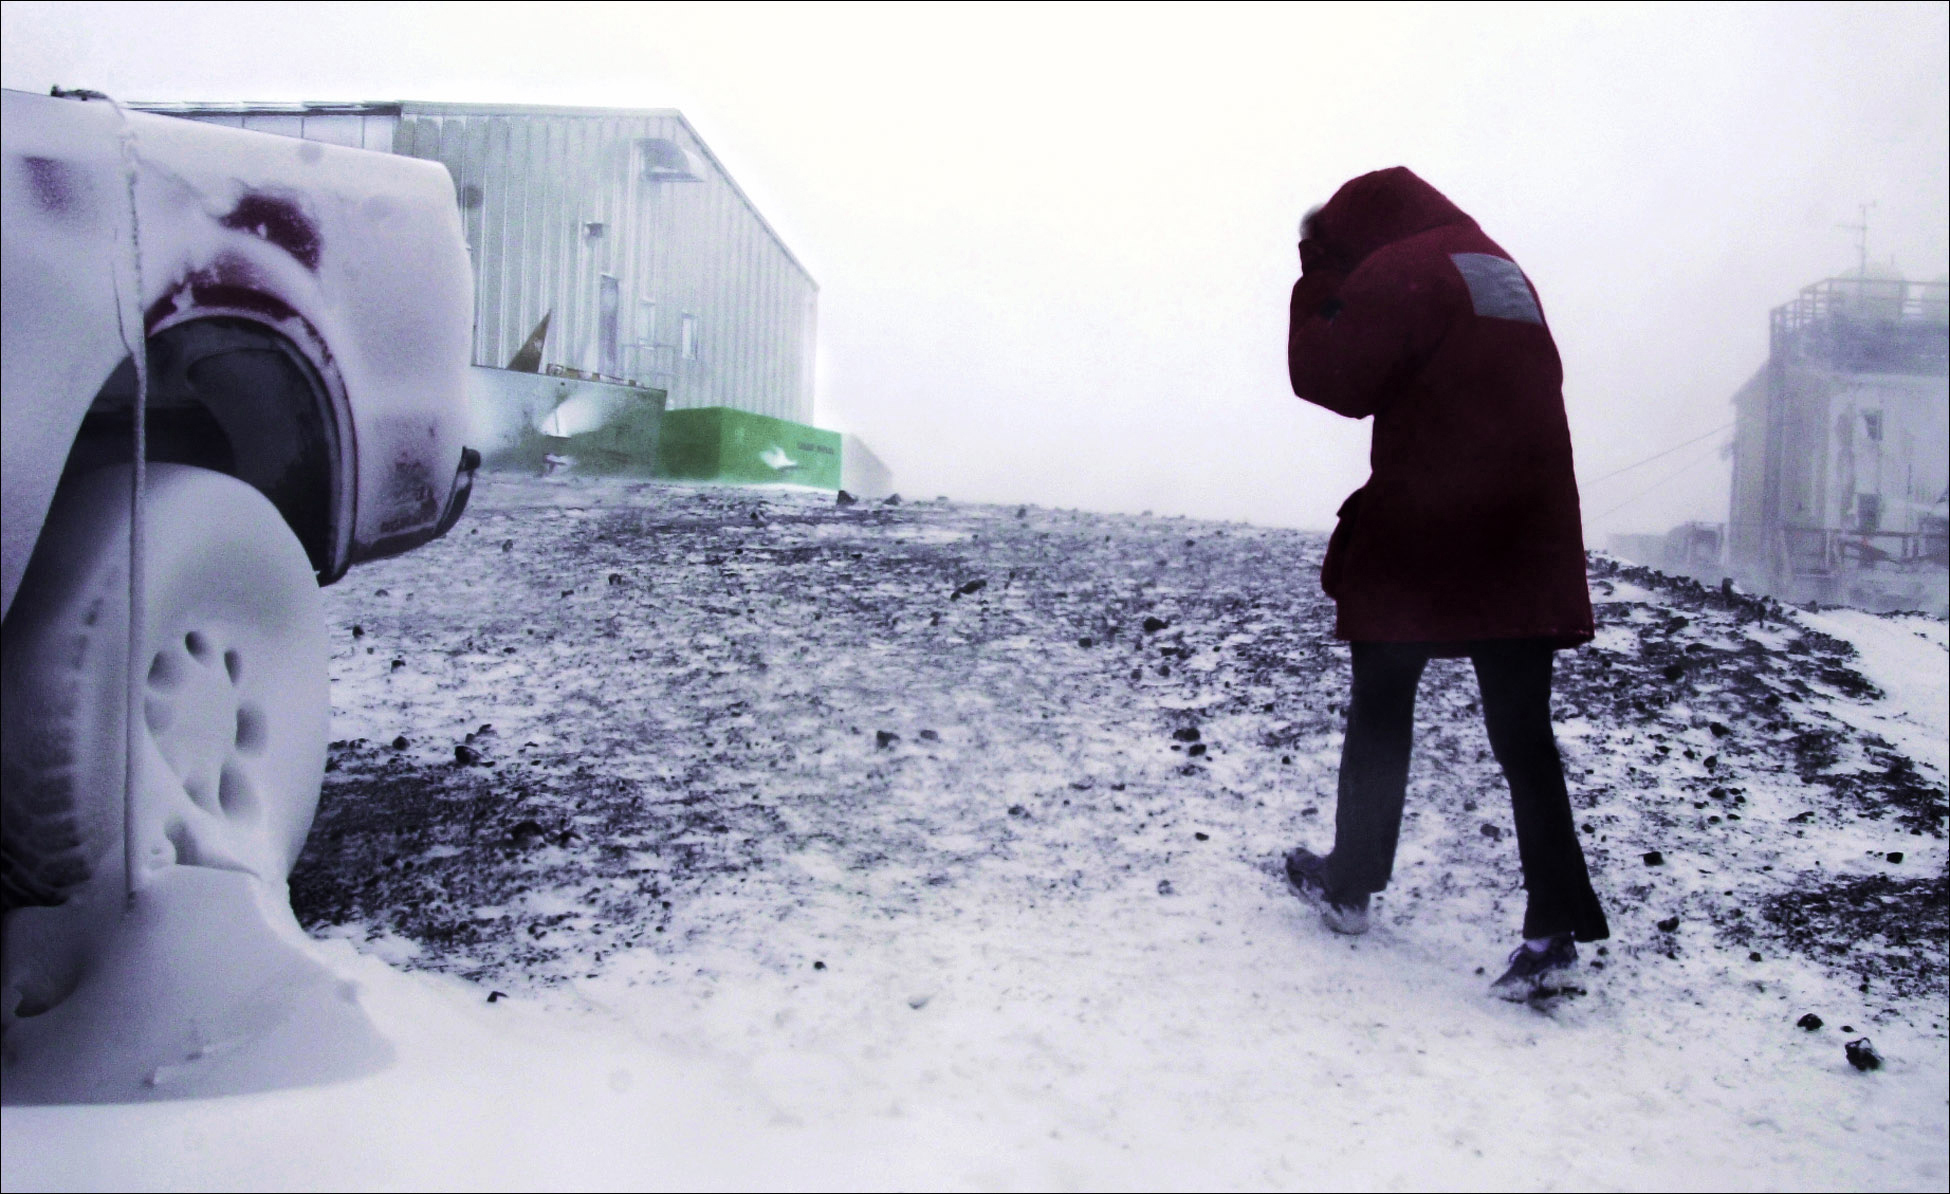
(1349, 338)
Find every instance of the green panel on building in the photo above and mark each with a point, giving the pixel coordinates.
(718, 443)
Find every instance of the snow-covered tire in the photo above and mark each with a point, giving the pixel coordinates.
(236, 701)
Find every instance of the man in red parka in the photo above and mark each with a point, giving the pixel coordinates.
(1465, 540)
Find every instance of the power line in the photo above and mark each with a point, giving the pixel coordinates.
(1658, 455)
(1660, 483)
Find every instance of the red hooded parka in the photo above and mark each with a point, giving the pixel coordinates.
(1468, 527)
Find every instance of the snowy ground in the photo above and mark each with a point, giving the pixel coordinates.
(811, 846)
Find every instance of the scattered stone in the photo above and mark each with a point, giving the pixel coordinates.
(1894, 856)
(1164, 887)
(1862, 1055)
(971, 587)
(1195, 750)
(1202, 836)
(616, 578)
(1469, 806)
(1808, 1022)
(1017, 810)
(526, 834)
(1653, 858)
(1719, 728)
(400, 743)
(917, 1002)
(844, 499)
(882, 739)
(1022, 511)
(1753, 955)
(1187, 734)
(1490, 831)
(465, 756)
(818, 965)
(358, 631)
(1669, 924)
(893, 499)
(1086, 641)
(496, 996)
(1153, 625)
(387, 592)
(930, 736)
(398, 663)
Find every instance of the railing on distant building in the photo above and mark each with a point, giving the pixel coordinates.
(1869, 325)
(1824, 551)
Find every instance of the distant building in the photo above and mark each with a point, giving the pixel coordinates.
(610, 242)
(1841, 451)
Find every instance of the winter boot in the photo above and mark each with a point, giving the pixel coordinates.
(1540, 973)
(1343, 913)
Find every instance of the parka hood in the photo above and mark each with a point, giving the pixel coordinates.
(1379, 209)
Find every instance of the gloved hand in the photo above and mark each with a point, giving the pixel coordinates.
(1313, 256)
(1314, 294)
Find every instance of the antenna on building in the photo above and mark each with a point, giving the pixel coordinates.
(1861, 231)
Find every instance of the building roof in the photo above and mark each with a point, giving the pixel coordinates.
(193, 108)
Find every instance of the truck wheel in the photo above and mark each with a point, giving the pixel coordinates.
(236, 702)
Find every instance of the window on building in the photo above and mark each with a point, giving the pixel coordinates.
(1872, 425)
(646, 321)
(687, 338)
(1868, 512)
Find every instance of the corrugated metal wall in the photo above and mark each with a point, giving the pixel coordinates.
(710, 306)
(333, 128)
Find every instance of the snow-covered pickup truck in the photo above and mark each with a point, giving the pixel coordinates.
(303, 313)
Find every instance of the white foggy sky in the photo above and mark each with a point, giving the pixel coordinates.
(1054, 244)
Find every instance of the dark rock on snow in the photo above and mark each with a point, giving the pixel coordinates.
(526, 834)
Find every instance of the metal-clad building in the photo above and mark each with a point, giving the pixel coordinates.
(618, 226)
(1841, 461)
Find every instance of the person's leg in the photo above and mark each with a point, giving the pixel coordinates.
(1515, 678)
(1374, 765)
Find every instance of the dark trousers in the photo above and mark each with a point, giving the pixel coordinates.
(1515, 678)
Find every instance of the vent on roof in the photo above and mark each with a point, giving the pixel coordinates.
(664, 160)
